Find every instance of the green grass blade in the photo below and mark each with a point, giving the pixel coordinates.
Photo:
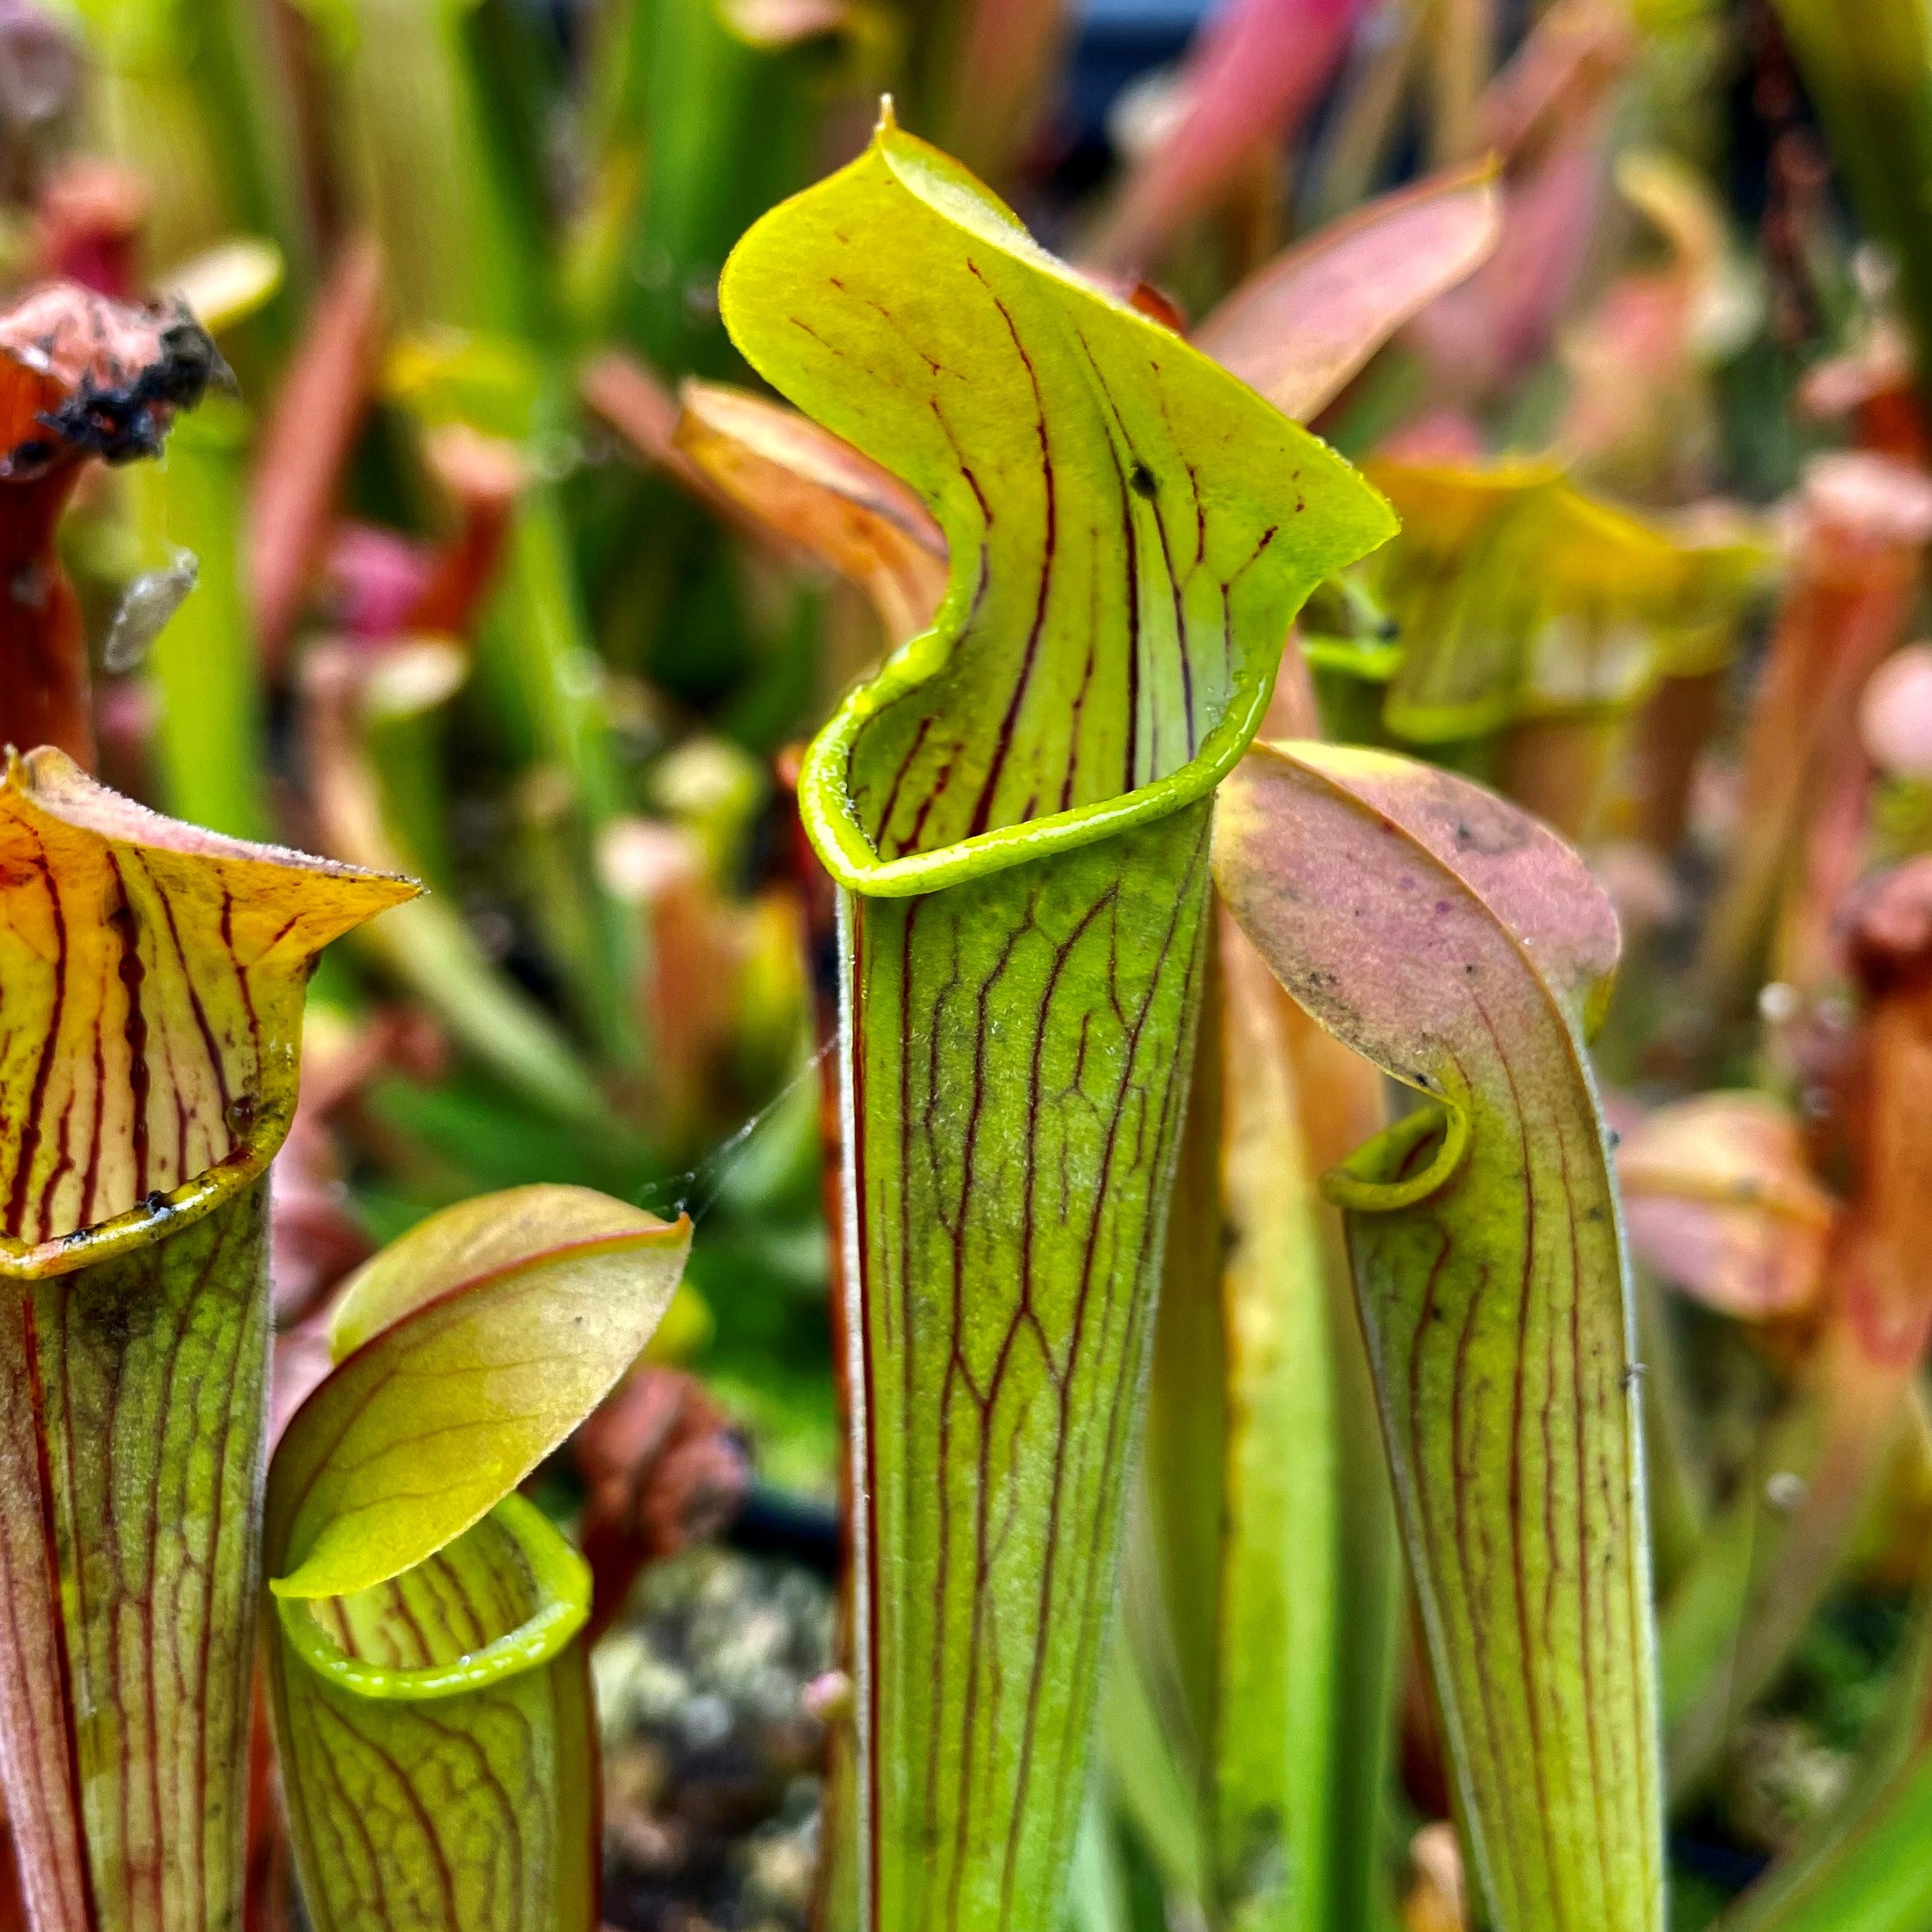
(1874, 1877)
(1867, 66)
(210, 738)
(1861, 1867)
(425, 170)
(349, 706)
(1458, 943)
(1241, 1466)
(1019, 808)
(193, 93)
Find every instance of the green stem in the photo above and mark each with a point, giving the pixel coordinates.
(196, 96)
(459, 225)
(209, 738)
(535, 659)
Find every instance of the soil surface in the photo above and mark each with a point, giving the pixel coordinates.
(712, 1762)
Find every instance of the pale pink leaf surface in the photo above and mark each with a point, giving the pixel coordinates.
(1257, 69)
(1298, 329)
(1720, 1201)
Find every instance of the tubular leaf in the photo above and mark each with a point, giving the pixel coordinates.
(438, 1755)
(427, 1675)
(1518, 596)
(1130, 528)
(151, 981)
(149, 1011)
(1459, 945)
(1018, 807)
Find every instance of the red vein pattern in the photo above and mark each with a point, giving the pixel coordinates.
(1022, 1064)
(1130, 529)
(151, 982)
(1116, 599)
(470, 1812)
(1131, 532)
(131, 1434)
(1457, 942)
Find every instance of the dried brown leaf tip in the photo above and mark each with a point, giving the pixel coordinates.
(81, 375)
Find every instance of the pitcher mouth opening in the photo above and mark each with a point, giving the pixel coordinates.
(151, 989)
(557, 1586)
(1131, 528)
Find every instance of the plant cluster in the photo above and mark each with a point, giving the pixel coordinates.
(1205, 953)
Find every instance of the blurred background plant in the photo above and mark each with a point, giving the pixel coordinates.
(492, 571)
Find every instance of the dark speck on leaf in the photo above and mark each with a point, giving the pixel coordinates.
(1140, 480)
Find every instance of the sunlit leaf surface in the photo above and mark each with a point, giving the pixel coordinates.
(467, 1351)
(1458, 944)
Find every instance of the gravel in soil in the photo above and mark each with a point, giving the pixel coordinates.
(712, 1762)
